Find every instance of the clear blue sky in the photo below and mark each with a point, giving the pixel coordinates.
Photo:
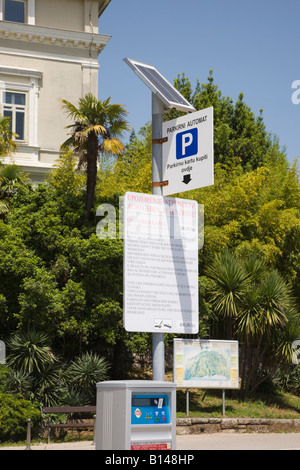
(252, 47)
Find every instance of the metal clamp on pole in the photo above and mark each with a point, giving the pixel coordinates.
(160, 141)
(159, 184)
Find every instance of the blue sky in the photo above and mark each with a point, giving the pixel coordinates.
(252, 47)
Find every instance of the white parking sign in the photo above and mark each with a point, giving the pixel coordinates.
(188, 159)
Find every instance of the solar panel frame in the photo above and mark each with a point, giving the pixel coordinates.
(158, 84)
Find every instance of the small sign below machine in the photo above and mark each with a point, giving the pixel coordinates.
(151, 446)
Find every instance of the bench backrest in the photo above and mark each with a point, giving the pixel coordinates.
(68, 409)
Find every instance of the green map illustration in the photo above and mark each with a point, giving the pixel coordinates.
(210, 364)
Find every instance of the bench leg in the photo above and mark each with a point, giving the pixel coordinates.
(94, 430)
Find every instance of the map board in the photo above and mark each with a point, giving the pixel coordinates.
(160, 264)
(206, 363)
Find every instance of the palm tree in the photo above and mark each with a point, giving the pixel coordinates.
(231, 281)
(11, 179)
(265, 316)
(3, 208)
(85, 371)
(29, 352)
(7, 144)
(34, 370)
(97, 128)
(258, 303)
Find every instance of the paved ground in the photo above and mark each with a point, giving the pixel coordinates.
(232, 441)
(218, 441)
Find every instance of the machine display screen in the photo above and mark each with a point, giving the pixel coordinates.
(150, 401)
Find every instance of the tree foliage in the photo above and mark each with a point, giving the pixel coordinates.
(7, 143)
(58, 277)
(14, 413)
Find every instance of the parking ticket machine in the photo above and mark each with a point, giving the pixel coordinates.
(136, 415)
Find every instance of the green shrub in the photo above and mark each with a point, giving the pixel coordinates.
(14, 413)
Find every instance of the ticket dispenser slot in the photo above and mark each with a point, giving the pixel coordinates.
(136, 415)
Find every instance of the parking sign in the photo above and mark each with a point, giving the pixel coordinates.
(187, 143)
(188, 160)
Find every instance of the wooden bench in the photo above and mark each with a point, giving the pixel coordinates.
(71, 424)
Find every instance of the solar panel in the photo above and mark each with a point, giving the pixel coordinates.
(160, 86)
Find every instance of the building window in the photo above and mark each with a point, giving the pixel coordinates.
(14, 106)
(15, 10)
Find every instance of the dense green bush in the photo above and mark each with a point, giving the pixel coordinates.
(34, 372)
(14, 413)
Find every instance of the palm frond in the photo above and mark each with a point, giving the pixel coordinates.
(3, 207)
(72, 111)
(114, 146)
(97, 129)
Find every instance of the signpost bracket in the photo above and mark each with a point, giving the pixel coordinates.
(159, 184)
(160, 141)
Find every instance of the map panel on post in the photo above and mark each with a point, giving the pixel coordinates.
(206, 363)
(167, 93)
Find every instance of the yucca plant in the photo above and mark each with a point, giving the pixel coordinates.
(29, 352)
(231, 281)
(19, 382)
(257, 305)
(85, 371)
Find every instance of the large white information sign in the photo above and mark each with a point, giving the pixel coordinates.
(188, 158)
(160, 264)
(204, 363)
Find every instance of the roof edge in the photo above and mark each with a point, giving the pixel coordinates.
(102, 4)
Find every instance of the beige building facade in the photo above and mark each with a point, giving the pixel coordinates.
(48, 51)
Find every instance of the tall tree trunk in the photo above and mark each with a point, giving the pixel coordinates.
(245, 349)
(92, 148)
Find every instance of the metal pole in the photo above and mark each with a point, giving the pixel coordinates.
(28, 434)
(223, 402)
(158, 345)
(94, 433)
(187, 402)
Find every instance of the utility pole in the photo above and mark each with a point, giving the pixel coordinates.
(158, 345)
